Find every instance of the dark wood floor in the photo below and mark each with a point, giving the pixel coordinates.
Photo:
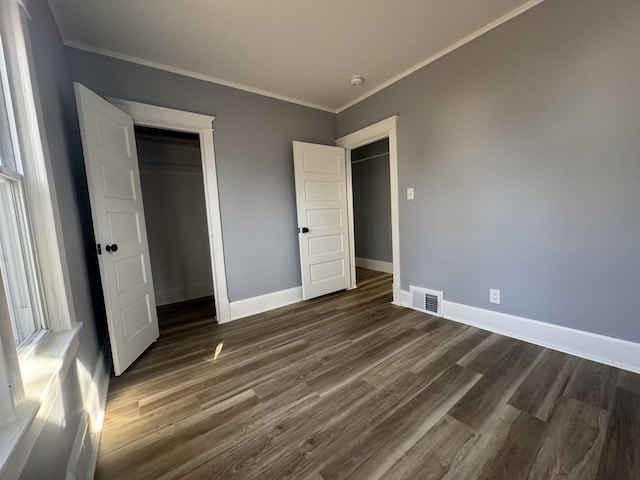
(176, 313)
(350, 386)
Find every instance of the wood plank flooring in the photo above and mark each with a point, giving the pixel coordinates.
(350, 386)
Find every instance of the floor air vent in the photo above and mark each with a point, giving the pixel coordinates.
(428, 301)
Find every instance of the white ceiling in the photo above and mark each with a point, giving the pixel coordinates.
(300, 50)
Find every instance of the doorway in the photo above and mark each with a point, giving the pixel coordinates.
(201, 125)
(370, 179)
(384, 129)
(176, 219)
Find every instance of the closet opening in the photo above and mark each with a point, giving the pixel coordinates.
(371, 179)
(171, 175)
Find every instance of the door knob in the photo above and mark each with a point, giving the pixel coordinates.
(303, 230)
(111, 248)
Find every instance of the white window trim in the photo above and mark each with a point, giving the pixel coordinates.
(43, 374)
(37, 375)
(40, 191)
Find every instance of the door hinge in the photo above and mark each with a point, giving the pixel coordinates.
(99, 248)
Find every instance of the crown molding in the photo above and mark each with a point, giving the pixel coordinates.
(209, 78)
(188, 73)
(454, 46)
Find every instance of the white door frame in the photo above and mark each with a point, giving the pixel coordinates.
(160, 117)
(377, 131)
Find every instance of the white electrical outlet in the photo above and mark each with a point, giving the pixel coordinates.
(410, 193)
(494, 296)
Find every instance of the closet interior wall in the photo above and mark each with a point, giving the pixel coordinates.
(175, 211)
(372, 205)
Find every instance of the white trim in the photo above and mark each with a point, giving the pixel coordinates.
(84, 453)
(12, 393)
(264, 303)
(191, 74)
(188, 73)
(160, 117)
(78, 457)
(364, 136)
(377, 265)
(454, 46)
(44, 373)
(406, 301)
(36, 377)
(95, 425)
(44, 212)
(599, 348)
(350, 218)
(382, 129)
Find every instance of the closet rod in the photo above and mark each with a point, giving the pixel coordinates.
(170, 164)
(167, 139)
(370, 158)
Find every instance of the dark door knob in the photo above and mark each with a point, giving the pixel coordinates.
(304, 230)
(111, 248)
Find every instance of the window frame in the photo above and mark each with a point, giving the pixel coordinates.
(33, 374)
(37, 172)
(15, 183)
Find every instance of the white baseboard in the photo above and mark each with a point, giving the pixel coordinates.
(183, 293)
(397, 294)
(84, 454)
(377, 265)
(47, 371)
(405, 296)
(264, 303)
(599, 348)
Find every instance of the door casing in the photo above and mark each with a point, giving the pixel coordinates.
(384, 129)
(178, 120)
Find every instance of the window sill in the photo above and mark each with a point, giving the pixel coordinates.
(43, 371)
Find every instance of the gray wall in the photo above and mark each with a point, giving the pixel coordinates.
(522, 147)
(60, 126)
(176, 220)
(524, 151)
(254, 159)
(372, 201)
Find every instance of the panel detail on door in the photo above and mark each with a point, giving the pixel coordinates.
(124, 227)
(322, 191)
(135, 317)
(117, 182)
(112, 135)
(321, 272)
(326, 217)
(320, 163)
(130, 273)
(325, 244)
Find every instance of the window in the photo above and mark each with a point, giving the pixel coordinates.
(17, 258)
(17, 263)
(38, 332)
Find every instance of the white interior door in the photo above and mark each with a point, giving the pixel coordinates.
(113, 177)
(323, 226)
